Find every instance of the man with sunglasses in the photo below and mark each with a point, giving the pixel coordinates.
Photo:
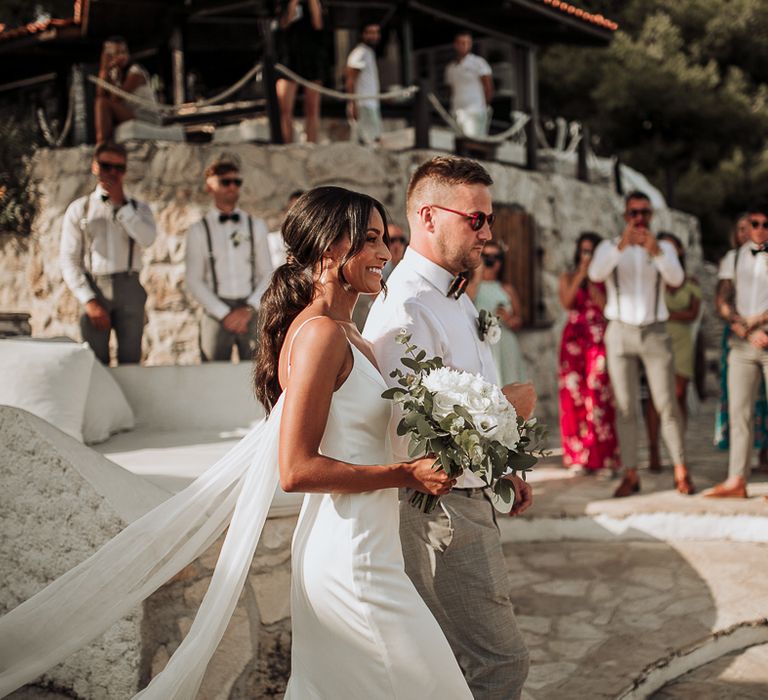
(398, 242)
(228, 267)
(453, 555)
(745, 289)
(102, 240)
(635, 267)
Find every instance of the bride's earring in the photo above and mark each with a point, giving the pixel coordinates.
(346, 286)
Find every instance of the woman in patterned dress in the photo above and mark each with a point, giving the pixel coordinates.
(587, 415)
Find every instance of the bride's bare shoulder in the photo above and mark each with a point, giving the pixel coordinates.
(317, 337)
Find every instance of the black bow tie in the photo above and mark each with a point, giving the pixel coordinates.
(458, 285)
(229, 217)
(762, 249)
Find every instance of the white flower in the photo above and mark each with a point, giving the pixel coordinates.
(488, 327)
(493, 334)
(491, 413)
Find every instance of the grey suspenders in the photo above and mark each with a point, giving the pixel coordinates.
(656, 294)
(212, 258)
(87, 242)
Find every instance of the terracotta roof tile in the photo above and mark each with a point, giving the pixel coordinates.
(597, 20)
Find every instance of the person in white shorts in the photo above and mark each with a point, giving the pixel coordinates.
(362, 78)
(469, 77)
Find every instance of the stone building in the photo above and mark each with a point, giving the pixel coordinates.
(545, 213)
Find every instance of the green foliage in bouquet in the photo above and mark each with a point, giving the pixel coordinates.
(466, 422)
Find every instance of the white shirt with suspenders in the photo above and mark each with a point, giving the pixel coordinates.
(751, 270)
(98, 240)
(633, 280)
(227, 259)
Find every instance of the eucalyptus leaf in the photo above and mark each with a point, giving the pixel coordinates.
(517, 460)
(503, 496)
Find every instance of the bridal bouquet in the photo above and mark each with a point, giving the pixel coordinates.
(465, 421)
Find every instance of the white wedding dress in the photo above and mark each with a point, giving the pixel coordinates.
(360, 629)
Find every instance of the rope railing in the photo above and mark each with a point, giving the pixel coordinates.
(45, 127)
(184, 108)
(521, 120)
(130, 98)
(401, 93)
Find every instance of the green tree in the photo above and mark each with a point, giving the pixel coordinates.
(680, 94)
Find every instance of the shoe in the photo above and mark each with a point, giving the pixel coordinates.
(577, 470)
(723, 491)
(628, 486)
(685, 486)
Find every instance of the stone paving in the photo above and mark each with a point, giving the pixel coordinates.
(596, 613)
(739, 676)
(561, 493)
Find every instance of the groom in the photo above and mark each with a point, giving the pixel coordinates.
(454, 556)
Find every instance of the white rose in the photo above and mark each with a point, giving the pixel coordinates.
(493, 334)
(486, 424)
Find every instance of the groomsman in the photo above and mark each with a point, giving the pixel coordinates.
(746, 285)
(228, 267)
(453, 555)
(635, 268)
(102, 240)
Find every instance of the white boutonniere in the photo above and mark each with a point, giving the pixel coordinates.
(488, 327)
(235, 238)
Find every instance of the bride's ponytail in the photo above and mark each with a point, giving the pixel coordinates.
(318, 219)
(290, 291)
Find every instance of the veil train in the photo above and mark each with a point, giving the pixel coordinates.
(81, 604)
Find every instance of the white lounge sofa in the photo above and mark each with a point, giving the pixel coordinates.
(187, 417)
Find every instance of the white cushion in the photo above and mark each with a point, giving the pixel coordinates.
(106, 410)
(50, 380)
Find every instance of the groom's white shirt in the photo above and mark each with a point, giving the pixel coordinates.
(416, 301)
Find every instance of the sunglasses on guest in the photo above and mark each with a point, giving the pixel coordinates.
(227, 181)
(477, 219)
(756, 223)
(645, 211)
(109, 167)
(490, 259)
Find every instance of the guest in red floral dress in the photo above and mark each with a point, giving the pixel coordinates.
(587, 419)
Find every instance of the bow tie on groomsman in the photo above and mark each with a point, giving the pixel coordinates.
(234, 216)
(760, 249)
(458, 285)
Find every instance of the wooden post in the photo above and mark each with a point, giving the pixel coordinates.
(582, 168)
(269, 78)
(421, 116)
(617, 177)
(532, 107)
(406, 47)
(178, 77)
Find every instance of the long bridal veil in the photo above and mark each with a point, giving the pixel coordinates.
(84, 602)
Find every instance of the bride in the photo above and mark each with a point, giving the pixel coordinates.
(359, 627)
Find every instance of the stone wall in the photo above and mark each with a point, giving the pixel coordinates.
(60, 502)
(169, 177)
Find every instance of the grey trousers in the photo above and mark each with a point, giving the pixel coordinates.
(455, 560)
(745, 363)
(216, 342)
(123, 297)
(626, 346)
